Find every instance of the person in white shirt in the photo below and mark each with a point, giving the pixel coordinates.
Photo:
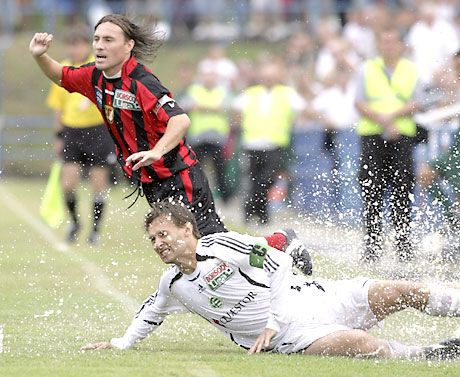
(433, 41)
(358, 33)
(247, 290)
(217, 62)
(334, 109)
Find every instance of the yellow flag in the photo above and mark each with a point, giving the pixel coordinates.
(52, 208)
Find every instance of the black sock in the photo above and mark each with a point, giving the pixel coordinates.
(97, 212)
(71, 202)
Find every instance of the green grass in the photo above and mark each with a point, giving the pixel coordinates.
(50, 305)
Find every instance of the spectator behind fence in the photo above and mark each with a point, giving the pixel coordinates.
(335, 111)
(433, 42)
(358, 33)
(327, 30)
(207, 103)
(447, 167)
(81, 138)
(386, 96)
(267, 115)
(217, 61)
(300, 56)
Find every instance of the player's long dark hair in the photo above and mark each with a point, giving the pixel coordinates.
(147, 39)
(179, 214)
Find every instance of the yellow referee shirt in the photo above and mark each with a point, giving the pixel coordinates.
(77, 110)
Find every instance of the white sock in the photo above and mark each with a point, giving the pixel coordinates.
(403, 351)
(443, 302)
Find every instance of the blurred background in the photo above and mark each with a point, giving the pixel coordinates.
(319, 47)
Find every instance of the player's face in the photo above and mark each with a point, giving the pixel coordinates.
(111, 48)
(168, 239)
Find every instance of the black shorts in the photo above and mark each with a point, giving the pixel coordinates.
(89, 146)
(387, 162)
(191, 187)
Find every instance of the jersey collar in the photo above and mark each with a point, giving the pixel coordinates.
(128, 66)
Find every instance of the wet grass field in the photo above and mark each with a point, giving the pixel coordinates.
(54, 298)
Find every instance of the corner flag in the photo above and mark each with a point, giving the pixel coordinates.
(52, 208)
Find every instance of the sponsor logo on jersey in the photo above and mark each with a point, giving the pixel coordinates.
(238, 307)
(125, 100)
(98, 95)
(218, 275)
(109, 113)
(216, 302)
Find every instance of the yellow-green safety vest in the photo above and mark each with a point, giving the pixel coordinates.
(274, 122)
(387, 95)
(202, 121)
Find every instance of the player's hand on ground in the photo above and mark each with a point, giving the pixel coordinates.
(263, 341)
(40, 43)
(97, 346)
(144, 158)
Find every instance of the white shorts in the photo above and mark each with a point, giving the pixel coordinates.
(322, 307)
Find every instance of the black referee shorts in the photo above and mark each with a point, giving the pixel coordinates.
(89, 146)
(191, 187)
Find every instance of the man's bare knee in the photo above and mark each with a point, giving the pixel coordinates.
(350, 343)
(390, 296)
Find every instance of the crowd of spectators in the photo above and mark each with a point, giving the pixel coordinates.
(323, 47)
(227, 20)
(324, 69)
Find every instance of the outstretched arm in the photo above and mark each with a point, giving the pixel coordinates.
(38, 47)
(149, 317)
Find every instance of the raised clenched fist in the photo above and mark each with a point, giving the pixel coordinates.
(40, 43)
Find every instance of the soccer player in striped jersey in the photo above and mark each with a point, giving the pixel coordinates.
(247, 290)
(145, 122)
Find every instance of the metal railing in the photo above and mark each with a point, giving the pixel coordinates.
(26, 145)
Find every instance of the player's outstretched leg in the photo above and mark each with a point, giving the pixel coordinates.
(446, 350)
(388, 297)
(360, 344)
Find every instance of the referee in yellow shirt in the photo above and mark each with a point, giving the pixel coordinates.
(81, 138)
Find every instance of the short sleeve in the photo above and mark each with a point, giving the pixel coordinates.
(78, 80)
(154, 97)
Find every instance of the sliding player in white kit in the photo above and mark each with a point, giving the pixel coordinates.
(247, 290)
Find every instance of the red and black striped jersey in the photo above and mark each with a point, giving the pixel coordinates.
(136, 109)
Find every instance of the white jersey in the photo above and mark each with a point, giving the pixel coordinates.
(224, 289)
(242, 300)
